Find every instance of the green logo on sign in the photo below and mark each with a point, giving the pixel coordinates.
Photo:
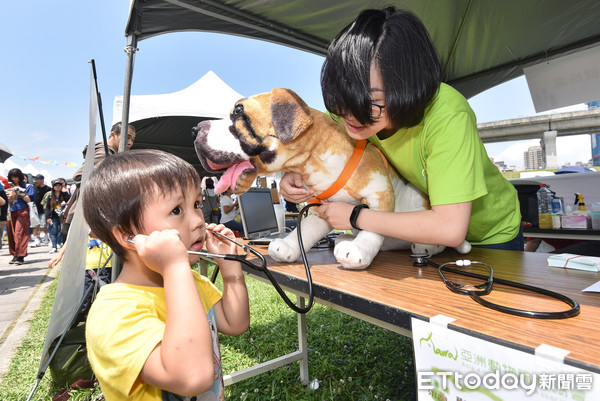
(437, 351)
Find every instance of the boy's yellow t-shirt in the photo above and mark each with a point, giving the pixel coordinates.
(125, 323)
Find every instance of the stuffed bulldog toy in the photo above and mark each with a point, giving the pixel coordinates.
(277, 132)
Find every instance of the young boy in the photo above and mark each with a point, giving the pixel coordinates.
(152, 334)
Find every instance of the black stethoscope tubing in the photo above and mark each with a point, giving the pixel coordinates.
(573, 311)
(263, 267)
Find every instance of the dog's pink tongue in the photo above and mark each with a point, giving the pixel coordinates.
(230, 176)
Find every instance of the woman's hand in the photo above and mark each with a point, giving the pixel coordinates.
(58, 257)
(337, 214)
(292, 188)
(11, 195)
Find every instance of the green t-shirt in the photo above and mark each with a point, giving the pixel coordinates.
(444, 157)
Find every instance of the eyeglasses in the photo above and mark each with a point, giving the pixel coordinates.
(376, 110)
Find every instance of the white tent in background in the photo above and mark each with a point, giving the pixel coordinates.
(31, 170)
(165, 121)
(7, 166)
(47, 177)
(208, 97)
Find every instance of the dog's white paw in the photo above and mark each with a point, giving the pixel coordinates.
(464, 248)
(352, 256)
(283, 251)
(428, 249)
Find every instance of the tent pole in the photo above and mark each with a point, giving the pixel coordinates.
(130, 49)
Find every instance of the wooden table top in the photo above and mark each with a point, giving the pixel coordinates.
(393, 290)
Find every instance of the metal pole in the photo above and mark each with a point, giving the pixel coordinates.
(99, 106)
(130, 49)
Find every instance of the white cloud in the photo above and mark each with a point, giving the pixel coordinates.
(577, 148)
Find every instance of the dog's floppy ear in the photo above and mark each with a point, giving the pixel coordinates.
(290, 116)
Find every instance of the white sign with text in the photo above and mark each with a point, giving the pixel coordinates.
(452, 366)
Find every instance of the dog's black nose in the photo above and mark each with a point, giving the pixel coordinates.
(203, 126)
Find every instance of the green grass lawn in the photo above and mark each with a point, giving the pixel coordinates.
(351, 359)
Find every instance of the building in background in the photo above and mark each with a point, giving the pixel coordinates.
(595, 137)
(533, 158)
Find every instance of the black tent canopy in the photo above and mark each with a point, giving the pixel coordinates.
(481, 43)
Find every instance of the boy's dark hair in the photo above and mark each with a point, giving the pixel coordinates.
(119, 188)
(399, 44)
(210, 184)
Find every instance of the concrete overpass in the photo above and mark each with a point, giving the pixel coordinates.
(545, 127)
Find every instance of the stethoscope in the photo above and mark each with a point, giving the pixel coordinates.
(262, 267)
(476, 292)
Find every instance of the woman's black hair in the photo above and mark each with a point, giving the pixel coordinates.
(399, 44)
(16, 172)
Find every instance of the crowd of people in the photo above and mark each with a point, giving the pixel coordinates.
(29, 214)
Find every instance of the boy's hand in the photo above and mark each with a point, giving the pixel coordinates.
(216, 244)
(161, 250)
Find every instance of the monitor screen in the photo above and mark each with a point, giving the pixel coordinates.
(257, 213)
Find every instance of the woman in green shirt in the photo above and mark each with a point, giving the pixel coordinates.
(382, 78)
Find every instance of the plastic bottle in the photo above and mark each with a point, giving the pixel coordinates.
(557, 212)
(579, 200)
(557, 205)
(544, 198)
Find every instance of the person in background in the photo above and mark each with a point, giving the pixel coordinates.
(229, 212)
(3, 209)
(65, 187)
(55, 201)
(382, 80)
(99, 155)
(210, 203)
(153, 333)
(40, 190)
(18, 228)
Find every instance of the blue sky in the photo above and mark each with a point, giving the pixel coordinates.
(45, 78)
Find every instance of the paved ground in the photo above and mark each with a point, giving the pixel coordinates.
(22, 288)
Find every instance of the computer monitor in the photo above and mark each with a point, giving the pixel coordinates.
(257, 213)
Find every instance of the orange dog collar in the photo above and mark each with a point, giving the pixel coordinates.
(359, 149)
